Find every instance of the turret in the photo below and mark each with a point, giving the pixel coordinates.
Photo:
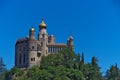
(43, 37)
(42, 30)
(51, 39)
(32, 33)
(70, 42)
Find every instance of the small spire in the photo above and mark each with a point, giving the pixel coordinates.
(42, 19)
(42, 22)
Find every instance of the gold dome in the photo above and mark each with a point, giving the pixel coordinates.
(42, 24)
(32, 29)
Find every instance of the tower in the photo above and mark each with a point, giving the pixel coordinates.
(43, 37)
(51, 39)
(32, 33)
(32, 48)
(70, 42)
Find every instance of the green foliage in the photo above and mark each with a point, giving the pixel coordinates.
(15, 74)
(64, 65)
(113, 73)
(82, 58)
(54, 73)
(2, 76)
(92, 70)
(63, 58)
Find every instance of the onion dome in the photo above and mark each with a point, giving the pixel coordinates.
(42, 24)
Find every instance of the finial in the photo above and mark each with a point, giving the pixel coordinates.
(42, 19)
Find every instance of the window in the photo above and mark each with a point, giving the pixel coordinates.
(56, 49)
(41, 43)
(33, 47)
(20, 58)
(43, 35)
(38, 47)
(24, 58)
(38, 54)
(19, 49)
(59, 49)
(49, 49)
(23, 48)
(32, 59)
(53, 49)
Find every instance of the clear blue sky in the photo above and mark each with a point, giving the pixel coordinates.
(94, 24)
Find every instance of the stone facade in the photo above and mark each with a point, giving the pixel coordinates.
(29, 50)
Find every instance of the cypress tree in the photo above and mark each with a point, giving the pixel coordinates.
(82, 61)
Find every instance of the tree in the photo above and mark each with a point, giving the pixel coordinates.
(62, 58)
(82, 61)
(14, 73)
(64, 65)
(2, 69)
(94, 72)
(78, 59)
(113, 73)
(2, 66)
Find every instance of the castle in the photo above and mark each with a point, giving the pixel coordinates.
(29, 50)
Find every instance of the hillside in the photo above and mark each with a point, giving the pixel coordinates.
(65, 65)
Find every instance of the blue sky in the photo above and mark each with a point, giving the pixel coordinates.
(94, 24)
